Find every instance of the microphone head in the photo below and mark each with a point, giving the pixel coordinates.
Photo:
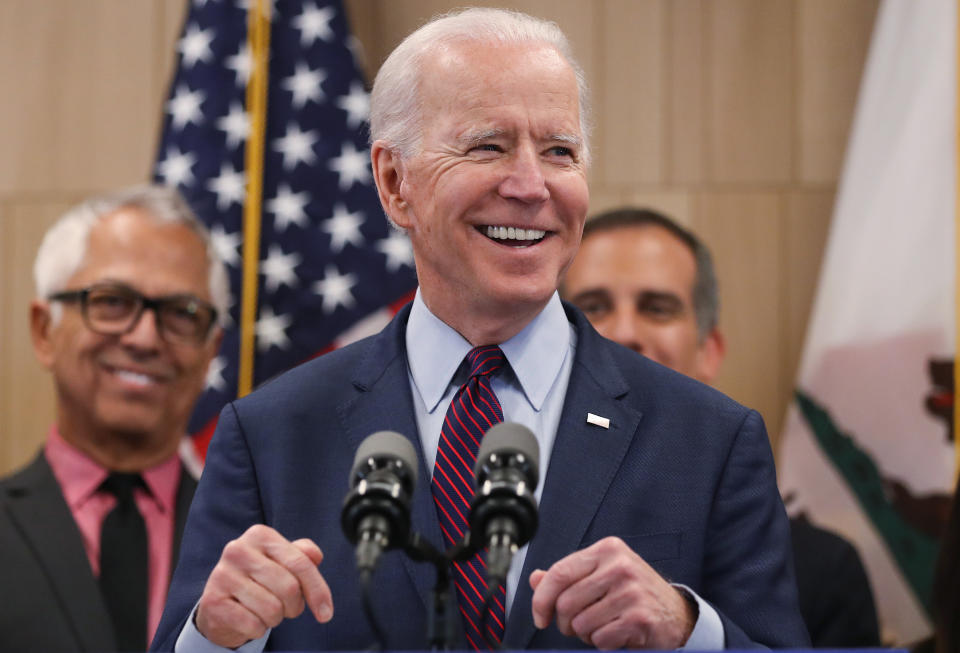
(381, 484)
(382, 449)
(508, 439)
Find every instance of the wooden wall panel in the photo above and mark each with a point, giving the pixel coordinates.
(675, 203)
(630, 93)
(830, 59)
(26, 394)
(77, 74)
(170, 15)
(751, 90)
(687, 93)
(743, 232)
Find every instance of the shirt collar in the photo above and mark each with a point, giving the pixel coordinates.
(79, 476)
(435, 351)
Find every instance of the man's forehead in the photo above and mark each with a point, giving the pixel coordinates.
(131, 246)
(647, 256)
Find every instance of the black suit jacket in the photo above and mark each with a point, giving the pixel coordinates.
(49, 598)
(835, 596)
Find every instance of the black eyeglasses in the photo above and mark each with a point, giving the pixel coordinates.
(112, 309)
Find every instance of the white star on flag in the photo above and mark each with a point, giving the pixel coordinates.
(215, 378)
(396, 247)
(335, 289)
(278, 268)
(305, 85)
(344, 227)
(184, 107)
(241, 64)
(296, 146)
(314, 24)
(176, 168)
(356, 104)
(288, 207)
(352, 165)
(195, 46)
(271, 330)
(226, 245)
(229, 186)
(236, 125)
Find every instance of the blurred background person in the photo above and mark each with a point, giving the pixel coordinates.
(648, 283)
(128, 290)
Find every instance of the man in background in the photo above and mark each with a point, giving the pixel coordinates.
(128, 290)
(649, 284)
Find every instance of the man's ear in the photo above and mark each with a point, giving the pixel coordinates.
(710, 356)
(388, 173)
(212, 346)
(41, 332)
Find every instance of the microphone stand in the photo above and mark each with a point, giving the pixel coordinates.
(441, 634)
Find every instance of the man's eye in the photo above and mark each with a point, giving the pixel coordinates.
(661, 309)
(592, 307)
(561, 151)
(486, 147)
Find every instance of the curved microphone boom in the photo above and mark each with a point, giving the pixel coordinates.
(376, 511)
(503, 512)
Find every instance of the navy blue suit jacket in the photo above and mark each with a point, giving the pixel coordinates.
(683, 475)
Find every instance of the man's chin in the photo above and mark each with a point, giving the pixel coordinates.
(134, 427)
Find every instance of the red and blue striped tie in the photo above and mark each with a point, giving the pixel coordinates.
(472, 412)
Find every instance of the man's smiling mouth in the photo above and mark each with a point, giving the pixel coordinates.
(138, 378)
(513, 236)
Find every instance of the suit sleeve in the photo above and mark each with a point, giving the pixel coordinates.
(748, 570)
(226, 504)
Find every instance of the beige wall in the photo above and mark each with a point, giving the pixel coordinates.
(730, 114)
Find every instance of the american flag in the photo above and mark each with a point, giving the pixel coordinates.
(331, 269)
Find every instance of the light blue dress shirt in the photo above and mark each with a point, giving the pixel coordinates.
(531, 391)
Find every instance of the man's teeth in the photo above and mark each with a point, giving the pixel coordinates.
(134, 377)
(513, 233)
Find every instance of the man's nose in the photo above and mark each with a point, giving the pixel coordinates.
(626, 330)
(525, 180)
(145, 333)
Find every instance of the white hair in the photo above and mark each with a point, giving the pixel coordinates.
(64, 246)
(395, 111)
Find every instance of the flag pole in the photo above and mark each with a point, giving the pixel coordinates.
(258, 38)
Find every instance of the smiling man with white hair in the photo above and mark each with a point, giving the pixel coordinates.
(125, 318)
(660, 521)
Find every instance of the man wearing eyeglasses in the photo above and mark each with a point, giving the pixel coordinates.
(129, 288)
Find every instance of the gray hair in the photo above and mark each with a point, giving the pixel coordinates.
(64, 246)
(706, 291)
(395, 111)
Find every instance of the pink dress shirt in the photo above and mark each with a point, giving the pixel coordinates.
(79, 477)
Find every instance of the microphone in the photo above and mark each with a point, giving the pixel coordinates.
(503, 512)
(376, 511)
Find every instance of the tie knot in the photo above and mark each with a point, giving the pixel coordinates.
(122, 485)
(485, 360)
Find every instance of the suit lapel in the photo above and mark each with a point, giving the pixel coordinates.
(575, 484)
(39, 511)
(385, 402)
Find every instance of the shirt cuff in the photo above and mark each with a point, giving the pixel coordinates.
(192, 641)
(707, 632)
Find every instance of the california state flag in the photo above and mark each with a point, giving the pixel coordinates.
(868, 448)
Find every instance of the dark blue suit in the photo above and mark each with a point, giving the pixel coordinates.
(684, 475)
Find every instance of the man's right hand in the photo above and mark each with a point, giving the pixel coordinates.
(261, 579)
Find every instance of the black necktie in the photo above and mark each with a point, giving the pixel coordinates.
(123, 563)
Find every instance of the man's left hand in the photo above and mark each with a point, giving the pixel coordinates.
(610, 598)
